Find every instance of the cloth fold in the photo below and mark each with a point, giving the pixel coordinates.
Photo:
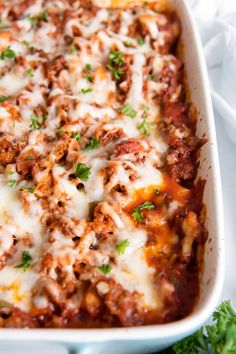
(216, 21)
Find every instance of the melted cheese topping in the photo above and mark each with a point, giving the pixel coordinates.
(64, 108)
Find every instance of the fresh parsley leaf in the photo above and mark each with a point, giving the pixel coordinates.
(81, 171)
(59, 132)
(2, 25)
(127, 110)
(150, 77)
(32, 20)
(88, 77)
(92, 144)
(74, 50)
(86, 90)
(11, 183)
(115, 64)
(30, 72)
(36, 122)
(218, 338)
(28, 45)
(121, 247)
(140, 41)
(3, 98)
(43, 16)
(26, 260)
(8, 53)
(128, 44)
(156, 191)
(137, 215)
(143, 128)
(76, 136)
(28, 189)
(105, 268)
(88, 67)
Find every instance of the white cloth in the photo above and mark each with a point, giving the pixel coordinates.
(216, 20)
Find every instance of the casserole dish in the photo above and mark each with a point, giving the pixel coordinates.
(150, 338)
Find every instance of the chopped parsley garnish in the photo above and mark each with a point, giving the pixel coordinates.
(32, 20)
(74, 50)
(59, 132)
(11, 183)
(136, 215)
(76, 136)
(150, 77)
(86, 90)
(43, 16)
(105, 268)
(128, 44)
(81, 171)
(88, 67)
(121, 247)
(8, 53)
(140, 41)
(26, 260)
(3, 98)
(28, 189)
(36, 122)
(115, 63)
(28, 45)
(156, 191)
(88, 77)
(92, 144)
(143, 127)
(30, 72)
(127, 110)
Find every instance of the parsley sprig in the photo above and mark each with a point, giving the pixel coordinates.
(218, 338)
(121, 247)
(92, 144)
(26, 260)
(115, 64)
(81, 171)
(86, 90)
(128, 110)
(137, 215)
(3, 98)
(105, 268)
(8, 53)
(76, 136)
(36, 121)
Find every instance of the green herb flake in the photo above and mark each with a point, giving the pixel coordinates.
(26, 260)
(36, 122)
(143, 128)
(81, 171)
(3, 99)
(156, 191)
(2, 25)
(30, 72)
(137, 215)
(150, 77)
(88, 67)
(28, 189)
(8, 53)
(105, 268)
(32, 20)
(29, 157)
(140, 41)
(86, 90)
(88, 77)
(74, 50)
(115, 64)
(121, 247)
(27, 44)
(11, 183)
(92, 144)
(127, 110)
(76, 136)
(43, 16)
(59, 132)
(128, 44)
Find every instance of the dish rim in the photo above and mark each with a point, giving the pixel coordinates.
(158, 331)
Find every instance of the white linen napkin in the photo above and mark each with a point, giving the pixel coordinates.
(216, 21)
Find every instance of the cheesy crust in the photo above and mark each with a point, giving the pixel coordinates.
(101, 216)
